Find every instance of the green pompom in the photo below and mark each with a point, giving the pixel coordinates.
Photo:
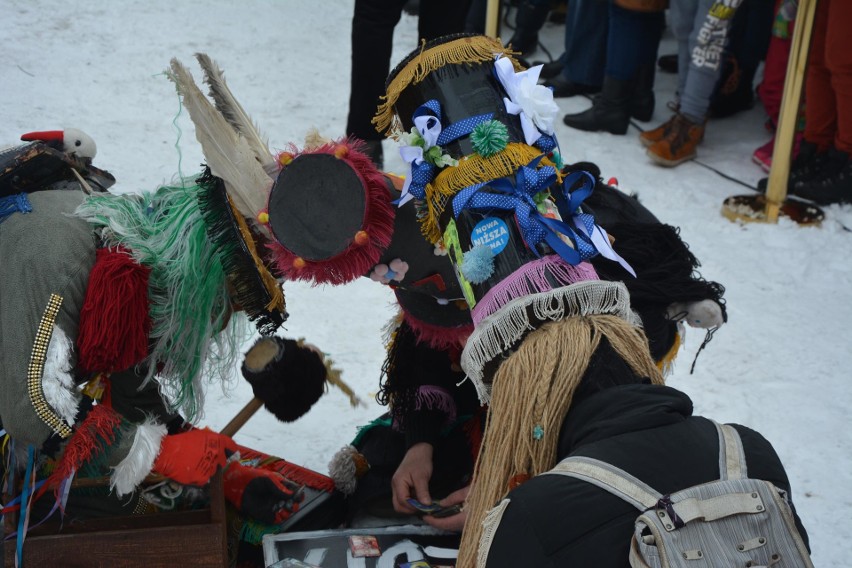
(489, 138)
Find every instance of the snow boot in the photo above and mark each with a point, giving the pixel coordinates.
(833, 185)
(808, 164)
(610, 110)
(680, 143)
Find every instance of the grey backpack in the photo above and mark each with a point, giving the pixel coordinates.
(732, 522)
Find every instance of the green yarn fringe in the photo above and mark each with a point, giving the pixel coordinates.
(192, 331)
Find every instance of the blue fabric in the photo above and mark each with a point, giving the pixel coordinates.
(517, 196)
(18, 203)
(632, 41)
(586, 29)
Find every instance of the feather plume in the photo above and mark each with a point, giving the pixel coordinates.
(139, 460)
(233, 112)
(228, 153)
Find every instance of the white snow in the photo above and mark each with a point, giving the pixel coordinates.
(781, 365)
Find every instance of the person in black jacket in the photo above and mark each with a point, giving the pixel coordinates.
(648, 431)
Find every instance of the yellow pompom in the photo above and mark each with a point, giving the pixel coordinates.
(298, 263)
(340, 151)
(284, 158)
(263, 217)
(362, 238)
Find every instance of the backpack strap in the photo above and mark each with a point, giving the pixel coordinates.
(609, 478)
(732, 464)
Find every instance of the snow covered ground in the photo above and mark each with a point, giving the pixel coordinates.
(781, 365)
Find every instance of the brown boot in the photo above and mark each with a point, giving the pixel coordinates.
(679, 144)
(650, 136)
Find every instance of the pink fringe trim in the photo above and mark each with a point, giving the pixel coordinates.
(529, 279)
(379, 213)
(431, 397)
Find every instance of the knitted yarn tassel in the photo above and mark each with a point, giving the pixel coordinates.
(114, 322)
(533, 390)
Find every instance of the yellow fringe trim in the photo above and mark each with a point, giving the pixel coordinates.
(36, 369)
(472, 170)
(476, 49)
(277, 302)
(665, 364)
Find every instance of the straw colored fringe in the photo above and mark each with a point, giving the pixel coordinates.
(534, 387)
(470, 171)
(476, 49)
(499, 332)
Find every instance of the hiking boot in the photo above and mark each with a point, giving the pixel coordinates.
(652, 136)
(808, 164)
(680, 143)
(832, 185)
(610, 110)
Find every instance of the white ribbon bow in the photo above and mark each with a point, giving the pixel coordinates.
(532, 102)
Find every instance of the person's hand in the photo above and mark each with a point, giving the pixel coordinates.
(411, 478)
(192, 457)
(456, 522)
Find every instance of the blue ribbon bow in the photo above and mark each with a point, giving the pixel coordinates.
(454, 131)
(517, 196)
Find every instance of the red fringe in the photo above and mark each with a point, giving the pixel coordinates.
(96, 432)
(439, 337)
(303, 476)
(356, 260)
(114, 321)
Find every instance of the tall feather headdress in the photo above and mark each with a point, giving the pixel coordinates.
(228, 152)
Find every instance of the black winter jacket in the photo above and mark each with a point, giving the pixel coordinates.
(649, 432)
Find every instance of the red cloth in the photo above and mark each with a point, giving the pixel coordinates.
(192, 457)
(828, 116)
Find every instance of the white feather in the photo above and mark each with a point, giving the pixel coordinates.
(227, 153)
(58, 385)
(233, 112)
(139, 461)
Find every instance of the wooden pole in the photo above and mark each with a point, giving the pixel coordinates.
(492, 18)
(242, 417)
(779, 173)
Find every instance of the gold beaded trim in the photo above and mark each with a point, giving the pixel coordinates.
(36, 369)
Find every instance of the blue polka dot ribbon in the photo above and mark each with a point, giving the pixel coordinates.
(576, 187)
(421, 175)
(518, 196)
(432, 108)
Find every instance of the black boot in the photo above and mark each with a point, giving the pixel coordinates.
(528, 20)
(833, 184)
(610, 110)
(642, 102)
(808, 164)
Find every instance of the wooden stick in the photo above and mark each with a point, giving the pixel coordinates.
(242, 417)
(779, 173)
(492, 18)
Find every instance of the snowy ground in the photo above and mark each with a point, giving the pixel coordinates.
(781, 364)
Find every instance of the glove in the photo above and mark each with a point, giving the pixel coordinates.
(192, 457)
(261, 494)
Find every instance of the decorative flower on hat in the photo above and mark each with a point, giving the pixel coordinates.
(532, 102)
(422, 154)
(384, 273)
